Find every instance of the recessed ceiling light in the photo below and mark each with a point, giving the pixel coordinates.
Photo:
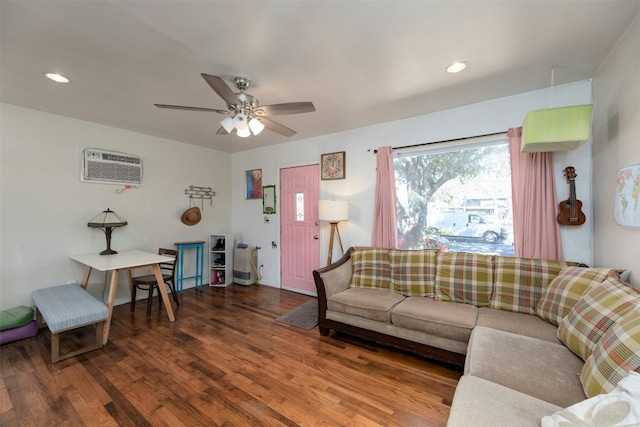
(57, 77)
(456, 67)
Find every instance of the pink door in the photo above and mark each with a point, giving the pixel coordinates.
(300, 247)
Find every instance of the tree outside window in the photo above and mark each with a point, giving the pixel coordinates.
(456, 198)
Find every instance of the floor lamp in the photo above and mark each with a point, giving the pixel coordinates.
(333, 211)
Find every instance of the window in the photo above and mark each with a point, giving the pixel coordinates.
(456, 196)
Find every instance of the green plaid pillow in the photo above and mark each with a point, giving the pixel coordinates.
(599, 308)
(370, 269)
(464, 277)
(567, 289)
(413, 273)
(520, 282)
(617, 353)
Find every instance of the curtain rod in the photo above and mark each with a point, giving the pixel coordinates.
(444, 141)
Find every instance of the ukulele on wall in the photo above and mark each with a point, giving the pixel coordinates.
(571, 209)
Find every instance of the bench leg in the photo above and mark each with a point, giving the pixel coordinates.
(55, 344)
(55, 347)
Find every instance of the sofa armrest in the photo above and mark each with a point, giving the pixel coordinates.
(330, 280)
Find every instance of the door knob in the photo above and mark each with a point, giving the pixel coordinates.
(315, 237)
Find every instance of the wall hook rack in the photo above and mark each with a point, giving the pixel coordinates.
(202, 193)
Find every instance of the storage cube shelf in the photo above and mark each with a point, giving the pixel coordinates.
(221, 259)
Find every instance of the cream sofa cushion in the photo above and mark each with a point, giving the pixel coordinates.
(482, 403)
(446, 319)
(538, 368)
(374, 304)
(518, 323)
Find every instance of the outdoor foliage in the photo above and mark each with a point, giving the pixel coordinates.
(423, 175)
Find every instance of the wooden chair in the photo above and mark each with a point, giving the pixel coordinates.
(149, 282)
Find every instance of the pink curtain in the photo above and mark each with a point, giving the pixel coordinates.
(535, 205)
(384, 216)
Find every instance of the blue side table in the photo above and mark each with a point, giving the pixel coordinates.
(198, 276)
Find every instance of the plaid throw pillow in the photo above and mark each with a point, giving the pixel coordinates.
(370, 269)
(599, 308)
(615, 354)
(520, 282)
(464, 277)
(566, 289)
(413, 273)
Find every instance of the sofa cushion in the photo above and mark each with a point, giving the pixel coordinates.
(566, 289)
(374, 304)
(518, 323)
(520, 282)
(542, 369)
(413, 273)
(478, 402)
(370, 269)
(464, 277)
(597, 310)
(446, 319)
(617, 352)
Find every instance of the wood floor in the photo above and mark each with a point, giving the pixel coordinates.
(224, 362)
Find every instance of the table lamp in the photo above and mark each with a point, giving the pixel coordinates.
(107, 221)
(333, 211)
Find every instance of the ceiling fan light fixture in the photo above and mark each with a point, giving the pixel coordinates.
(227, 124)
(240, 121)
(243, 133)
(256, 126)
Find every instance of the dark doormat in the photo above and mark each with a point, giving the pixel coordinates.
(303, 316)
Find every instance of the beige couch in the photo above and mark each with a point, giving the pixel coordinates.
(521, 328)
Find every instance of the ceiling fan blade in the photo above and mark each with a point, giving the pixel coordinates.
(277, 127)
(182, 107)
(221, 88)
(286, 108)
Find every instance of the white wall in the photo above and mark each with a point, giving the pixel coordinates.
(616, 144)
(44, 208)
(487, 117)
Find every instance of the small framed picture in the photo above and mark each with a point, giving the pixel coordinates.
(253, 184)
(269, 199)
(332, 165)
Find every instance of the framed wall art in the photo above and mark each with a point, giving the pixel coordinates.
(253, 184)
(626, 208)
(269, 199)
(332, 165)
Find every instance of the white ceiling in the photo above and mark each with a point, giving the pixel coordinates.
(359, 62)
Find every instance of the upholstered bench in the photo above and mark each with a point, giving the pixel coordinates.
(67, 307)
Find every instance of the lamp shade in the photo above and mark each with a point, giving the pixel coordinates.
(107, 218)
(333, 210)
(556, 129)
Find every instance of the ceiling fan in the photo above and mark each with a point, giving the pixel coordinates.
(246, 114)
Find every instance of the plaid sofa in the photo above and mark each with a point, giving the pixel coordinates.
(530, 329)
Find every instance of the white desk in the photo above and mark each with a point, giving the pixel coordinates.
(124, 261)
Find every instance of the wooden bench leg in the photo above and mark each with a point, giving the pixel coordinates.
(55, 347)
(55, 344)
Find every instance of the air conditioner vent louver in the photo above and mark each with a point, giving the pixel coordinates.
(109, 167)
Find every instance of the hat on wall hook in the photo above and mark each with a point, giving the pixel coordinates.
(191, 216)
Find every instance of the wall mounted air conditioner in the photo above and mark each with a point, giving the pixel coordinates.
(110, 167)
